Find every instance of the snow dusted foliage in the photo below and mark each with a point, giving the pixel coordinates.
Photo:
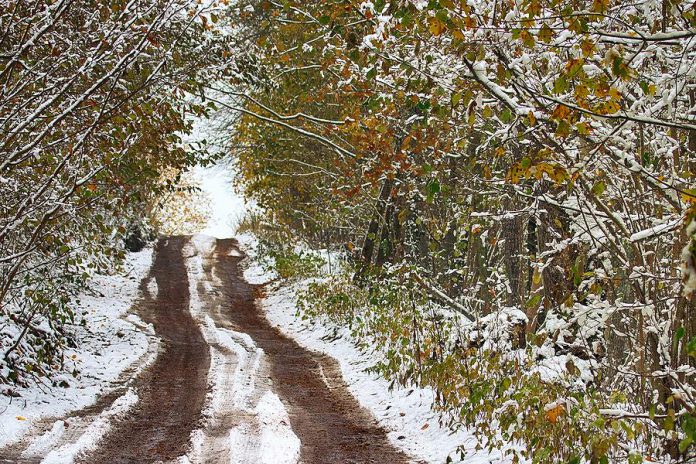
(689, 258)
(496, 159)
(91, 100)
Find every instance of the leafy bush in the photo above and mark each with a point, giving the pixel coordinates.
(288, 262)
(529, 401)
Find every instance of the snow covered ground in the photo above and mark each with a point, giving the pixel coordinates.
(112, 342)
(405, 414)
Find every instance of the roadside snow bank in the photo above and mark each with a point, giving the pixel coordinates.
(112, 340)
(405, 414)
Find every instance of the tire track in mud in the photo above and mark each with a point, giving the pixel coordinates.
(238, 376)
(172, 391)
(327, 419)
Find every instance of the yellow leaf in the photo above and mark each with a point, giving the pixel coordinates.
(532, 118)
(615, 94)
(515, 173)
(527, 38)
(536, 277)
(689, 196)
(437, 27)
(600, 6)
(583, 128)
(545, 33)
(21, 418)
(611, 107)
(581, 91)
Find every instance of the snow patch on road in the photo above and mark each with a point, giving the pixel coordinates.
(152, 287)
(66, 454)
(256, 421)
(204, 244)
(279, 444)
(111, 340)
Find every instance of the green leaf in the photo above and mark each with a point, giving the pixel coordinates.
(442, 16)
(691, 347)
(506, 115)
(534, 301)
(371, 74)
(684, 444)
(433, 188)
(689, 426)
(560, 85)
(599, 188)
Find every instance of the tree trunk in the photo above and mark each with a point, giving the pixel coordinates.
(368, 248)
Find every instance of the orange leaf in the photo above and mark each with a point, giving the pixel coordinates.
(554, 413)
(561, 112)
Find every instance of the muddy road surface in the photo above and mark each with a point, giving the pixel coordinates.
(225, 386)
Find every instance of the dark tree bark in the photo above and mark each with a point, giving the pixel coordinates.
(368, 249)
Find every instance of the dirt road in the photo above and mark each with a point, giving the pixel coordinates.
(172, 391)
(329, 422)
(225, 383)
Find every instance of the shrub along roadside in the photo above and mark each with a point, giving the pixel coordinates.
(94, 100)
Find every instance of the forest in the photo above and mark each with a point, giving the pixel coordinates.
(509, 187)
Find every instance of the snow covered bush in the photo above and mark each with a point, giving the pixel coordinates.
(91, 102)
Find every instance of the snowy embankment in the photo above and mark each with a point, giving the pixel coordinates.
(113, 344)
(405, 414)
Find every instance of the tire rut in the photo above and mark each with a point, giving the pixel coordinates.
(328, 420)
(172, 391)
(256, 360)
